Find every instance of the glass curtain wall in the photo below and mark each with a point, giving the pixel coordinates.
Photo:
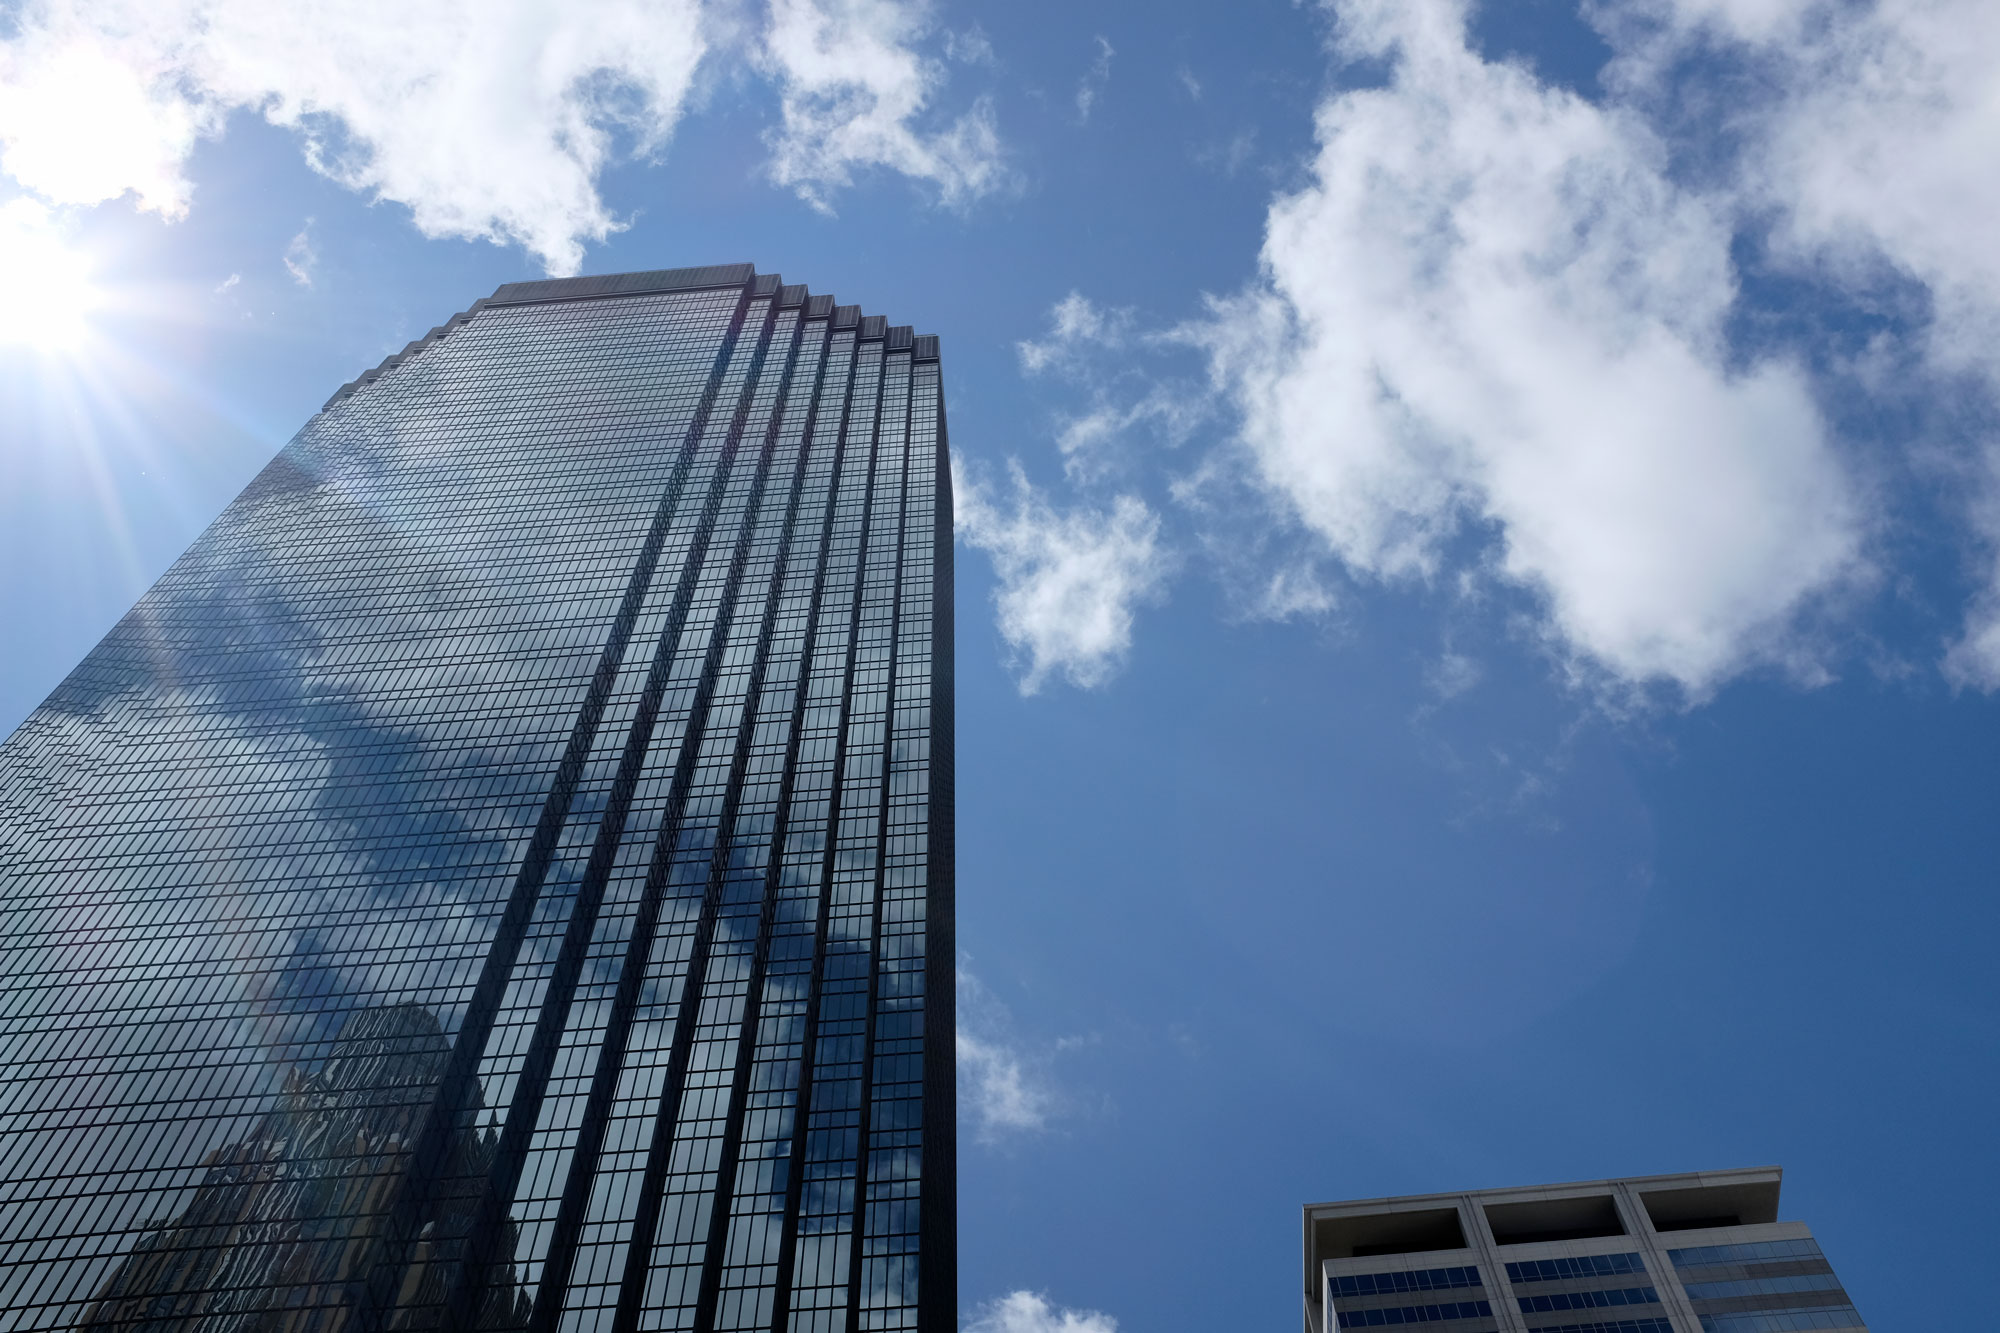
(500, 876)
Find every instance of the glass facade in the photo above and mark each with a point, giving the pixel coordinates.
(1593, 1282)
(1764, 1287)
(500, 877)
(1386, 1299)
(1760, 1287)
(1693, 1252)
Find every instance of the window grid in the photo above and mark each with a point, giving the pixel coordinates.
(822, 1239)
(746, 1282)
(212, 847)
(615, 1207)
(489, 876)
(1421, 1279)
(734, 907)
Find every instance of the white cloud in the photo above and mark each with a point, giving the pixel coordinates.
(1084, 437)
(1294, 590)
(855, 91)
(1870, 139)
(488, 119)
(300, 257)
(1093, 81)
(1873, 142)
(1070, 582)
(1003, 1088)
(1492, 309)
(1078, 435)
(1189, 83)
(997, 1091)
(231, 281)
(1031, 1312)
(1974, 659)
(1080, 332)
(91, 105)
(971, 47)
(1076, 323)
(1452, 674)
(1008, 1085)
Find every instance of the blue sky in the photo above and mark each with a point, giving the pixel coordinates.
(1478, 600)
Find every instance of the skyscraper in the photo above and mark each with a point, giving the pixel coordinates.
(1700, 1253)
(501, 875)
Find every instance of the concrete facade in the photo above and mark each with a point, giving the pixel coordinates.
(1702, 1252)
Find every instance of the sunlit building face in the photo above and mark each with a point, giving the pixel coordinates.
(501, 875)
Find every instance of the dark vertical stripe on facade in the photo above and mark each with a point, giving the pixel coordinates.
(458, 1089)
(937, 1297)
(646, 1219)
(775, 887)
(725, 1171)
(795, 1172)
(542, 670)
(857, 1254)
(788, 1254)
(714, 1256)
(562, 1247)
(490, 1231)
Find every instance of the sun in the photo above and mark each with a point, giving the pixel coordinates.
(46, 292)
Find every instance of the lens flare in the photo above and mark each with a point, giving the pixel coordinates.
(46, 293)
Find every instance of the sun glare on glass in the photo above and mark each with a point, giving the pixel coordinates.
(46, 293)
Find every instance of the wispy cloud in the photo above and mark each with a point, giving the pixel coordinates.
(1032, 1312)
(300, 257)
(1075, 324)
(1005, 1087)
(1071, 581)
(1228, 157)
(1092, 84)
(1085, 437)
(971, 47)
(856, 93)
(1080, 333)
(1452, 674)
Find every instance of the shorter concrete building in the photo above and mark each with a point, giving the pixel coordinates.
(1700, 1253)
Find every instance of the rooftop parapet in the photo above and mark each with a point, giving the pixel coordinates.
(923, 347)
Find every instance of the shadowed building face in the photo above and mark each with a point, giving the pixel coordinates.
(501, 875)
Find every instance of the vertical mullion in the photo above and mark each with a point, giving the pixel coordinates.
(684, 1156)
(818, 731)
(773, 1069)
(821, 1230)
(535, 1173)
(624, 880)
(881, 1275)
(899, 1191)
(930, 758)
(401, 1272)
(743, 1236)
(683, 668)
